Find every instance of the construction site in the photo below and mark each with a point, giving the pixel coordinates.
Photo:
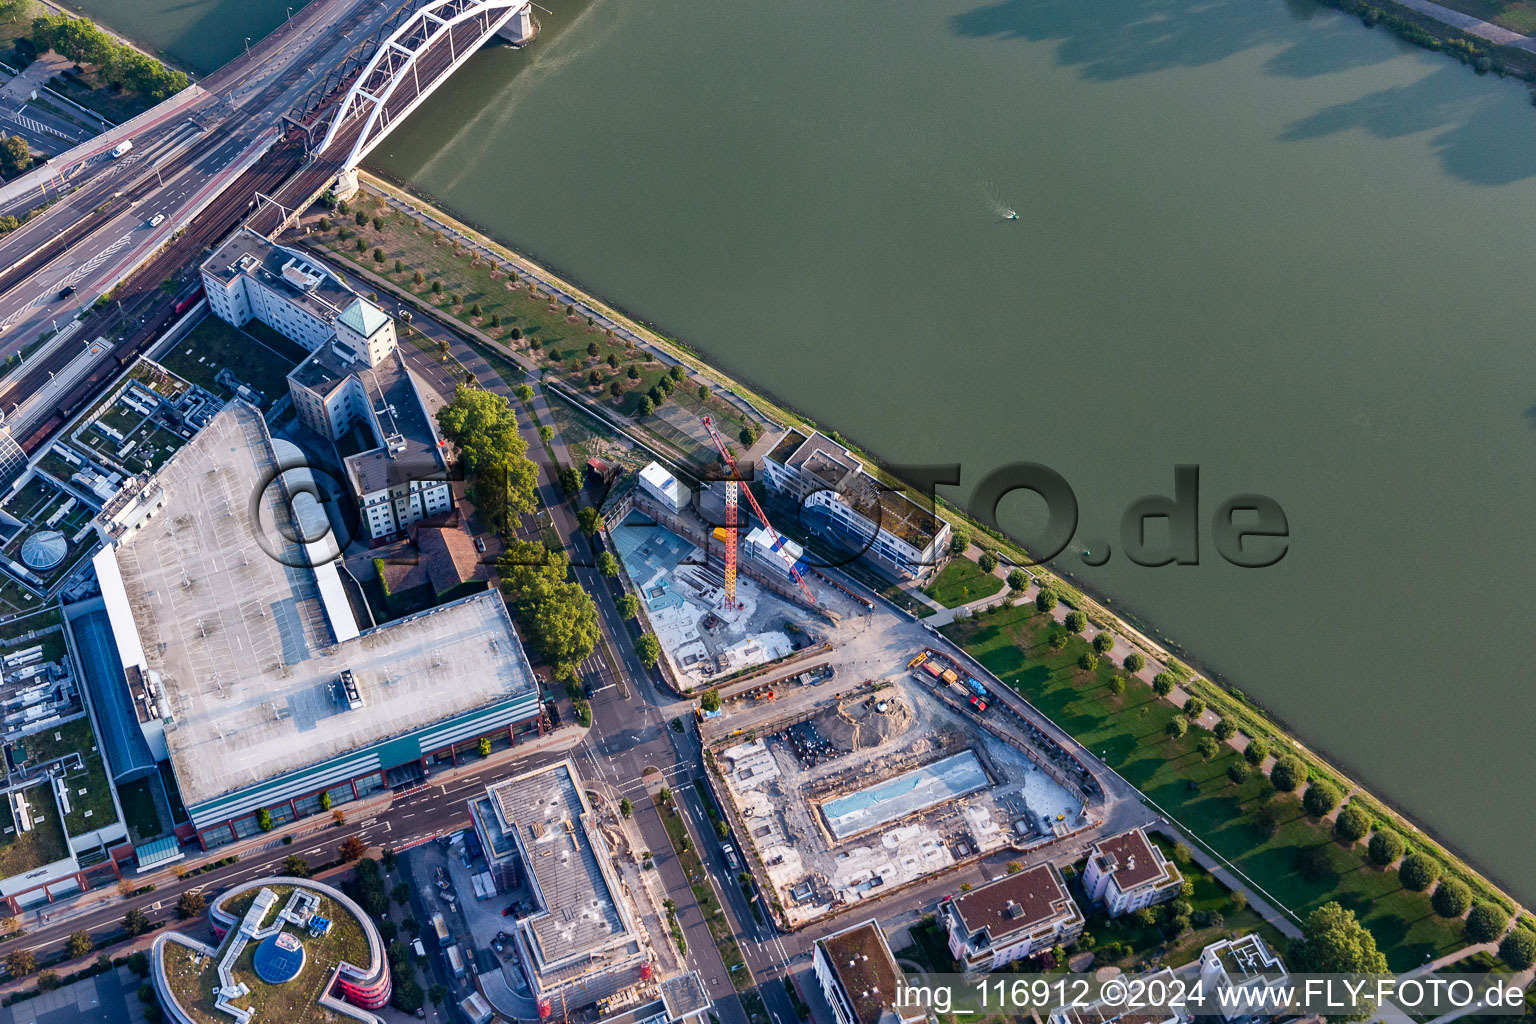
(849, 796)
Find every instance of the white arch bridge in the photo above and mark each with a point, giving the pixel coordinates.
(428, 44)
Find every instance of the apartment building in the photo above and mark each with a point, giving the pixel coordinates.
(1010, 918)
(1127, 872)
(1245, 962)
(858, 976)
(840, 500)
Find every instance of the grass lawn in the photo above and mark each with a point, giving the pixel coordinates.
(961, 582)
(90, 794)
(1128, 732)
(20, 853)
(1515, 15)
(256, 354)
(139, 810)
(564, 344)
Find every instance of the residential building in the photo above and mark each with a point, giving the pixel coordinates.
(837, 498)
(577, 941)
(663, 487)
(858, 975)
(1245, 962)
(1127, 872)
(1010, 918)
(1122, 1011)
(245, 663)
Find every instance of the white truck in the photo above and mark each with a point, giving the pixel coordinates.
(121, 148)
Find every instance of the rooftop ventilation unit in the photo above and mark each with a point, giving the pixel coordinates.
(349, 691)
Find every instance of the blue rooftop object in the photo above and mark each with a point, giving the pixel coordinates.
(278, 958)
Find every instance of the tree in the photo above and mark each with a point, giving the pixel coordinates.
(1256, 751)
(475, 310)
(135, 922)
(710, 701)
(615, 389)
(1321, 797)
(189, 905)
(1135, 662)
(722, 829)
(703, 391)
(442, 348)
(1194, 707)
(1224, 730)
(1103, 641)
(264, 820)
(352, 848)
(546, 433)
(1333, 942)
(1117, 684)
(625, 807)
(1087, 661)
(570, 480)
(1018, 580)
(646, 406)
(987, 562)
(455, 299)
(1162, 684)
(138, 963)
(1287, 774)
(20, 962)
(1237, 771)
(15, 155)
(378, 255)
(378, 223)
(483, 746)
(649, 650)
(665, 796)
(417, 278)
(325, 801)
(517, 333)
(1451, 898)
(590, 520)
(607, 564)
(1057, 641)
(1176, 727)
(1045, 599)
(360, 218)
(633, 373)
(1418, 871)
(296, 866)
(959, 540)
(361, 245)
(495, 320)
(1351, 825)
(483, 427)
(1519, 949)
(1486, 922)
(629, 606)
(437, 287)
(1385, 847)
(677, 373)
(1208, 747)
(79, 944)
(1075, 621)
(399, 267)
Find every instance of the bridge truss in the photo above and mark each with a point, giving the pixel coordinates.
(425, 47)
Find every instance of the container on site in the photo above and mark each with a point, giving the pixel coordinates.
(932, 669)
(121, 148)
(949, 675)
(455, 961)
(440, 927)
(719, 533)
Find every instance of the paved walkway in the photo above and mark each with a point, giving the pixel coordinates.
(1472, 26)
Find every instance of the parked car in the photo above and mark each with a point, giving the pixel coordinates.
(480, 544)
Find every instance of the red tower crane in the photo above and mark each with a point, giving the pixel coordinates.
(732, 488)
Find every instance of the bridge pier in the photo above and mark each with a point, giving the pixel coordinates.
(346, 183)
(521, 28)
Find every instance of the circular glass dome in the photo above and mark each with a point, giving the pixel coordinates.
(278, 958)
(44, 550)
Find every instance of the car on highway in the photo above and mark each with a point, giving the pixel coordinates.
(154, 221)
(731, 860)
(66, 292)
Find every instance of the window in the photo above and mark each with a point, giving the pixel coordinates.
(369, 784)
(341, 794)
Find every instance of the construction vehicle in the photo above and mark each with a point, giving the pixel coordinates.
(732, 492)
(979, 704)
(922, 656)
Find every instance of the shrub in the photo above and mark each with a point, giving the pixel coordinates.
(1287, 774)
(1352, 824)
(1385, 847)
(1451, 898)
(1135, 662)
(1418, 872)
(1486, 922)
(1518, 949)
(1321, 797)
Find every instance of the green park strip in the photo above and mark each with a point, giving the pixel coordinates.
(1265, 834)
(961, 582)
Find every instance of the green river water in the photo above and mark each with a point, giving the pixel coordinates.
(1251, 235)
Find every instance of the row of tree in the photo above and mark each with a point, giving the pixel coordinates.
(80, 40)
(557, 615)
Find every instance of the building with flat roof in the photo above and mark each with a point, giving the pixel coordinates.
(1124, 1011)
(294, 294)
(660, 484)
(1127, 872)
(839, 499)
(859, 977)
(248, 669)
(579, 942)
(1010, 918)
(1245, 962)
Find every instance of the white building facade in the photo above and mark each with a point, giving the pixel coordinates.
(1010, 918)
(1127, 872)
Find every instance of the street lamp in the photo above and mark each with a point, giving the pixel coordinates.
(290, 14)
(247, 46)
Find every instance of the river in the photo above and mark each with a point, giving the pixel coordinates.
(1252, 235)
